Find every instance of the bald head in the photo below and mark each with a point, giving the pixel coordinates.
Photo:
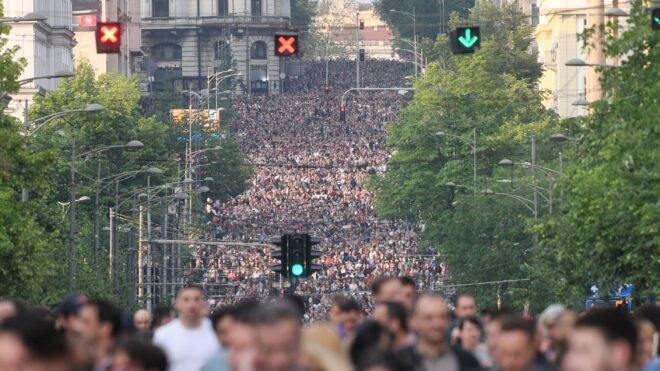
(431, 319)
(142, 320)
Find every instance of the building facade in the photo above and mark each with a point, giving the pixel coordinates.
(556, 35)
(188, 40)
(43, 31)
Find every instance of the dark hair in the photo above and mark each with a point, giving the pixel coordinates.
(379, 282)
(277, 311)
(349, 305)
(38, 335)
(613, 323)
(108, 313)
(397, 311)
(368, 338)
(471, 319)
(407, 281)
(145, 354)
(189, 287)
(518, 323)
(159, 314)
(386, 360)
(650, 313)
(222, 312)
(247, 311)
(503, 313)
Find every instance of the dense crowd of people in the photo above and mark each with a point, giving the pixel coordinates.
(310, 173)
(406, 331)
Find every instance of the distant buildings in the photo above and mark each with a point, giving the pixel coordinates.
(43, 31)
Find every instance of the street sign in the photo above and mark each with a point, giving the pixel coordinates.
(286, 45)
(465, 40)
(108, 37)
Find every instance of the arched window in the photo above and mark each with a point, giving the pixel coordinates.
(222, 51)
(258, 50)
(166, 52)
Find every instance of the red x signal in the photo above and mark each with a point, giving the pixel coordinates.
(286, 45)
(108, 37)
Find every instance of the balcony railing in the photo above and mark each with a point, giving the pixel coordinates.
(157, 22)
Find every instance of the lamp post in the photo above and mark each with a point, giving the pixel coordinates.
(473, 144)
(414, 19)
(531, 205)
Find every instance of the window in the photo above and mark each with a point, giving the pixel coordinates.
(160, 8)
(166, 52)
(258, 50)
(256, 7)
(223, 8)
(221, 51)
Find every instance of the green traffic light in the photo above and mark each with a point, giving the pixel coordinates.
(468, 40)
(297, 269)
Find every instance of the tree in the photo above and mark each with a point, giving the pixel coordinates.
(607, 231)
(456, 95)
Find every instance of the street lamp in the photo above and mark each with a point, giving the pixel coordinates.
(68, 203)
(562, 138)
(414, 19)
(577, 62)
(41, 122)
(529, 204)
(473, 144)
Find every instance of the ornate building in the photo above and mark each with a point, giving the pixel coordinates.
(188, 40)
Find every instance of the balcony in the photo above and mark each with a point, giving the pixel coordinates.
(196, 22)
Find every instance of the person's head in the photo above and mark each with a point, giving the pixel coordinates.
(380, 361)
(408, 292)
(549, 321)
(431, 319)
(469, 332)
(29, 342)
(604, 339)
(190, 304)
(10, 308)
(370, 336)
(465, 305)
(101, 322)
(243, 336)
(494, 325)
(223, 321)
(142, 320)
(138, 355)
(279, 336)
(334, 314)
(162, 315)
(68, 314)
(646, 331)
(516, 345)
(386, 288)
(393, 316)
(351, 315)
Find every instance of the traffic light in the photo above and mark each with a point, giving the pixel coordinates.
(465, 40)
(362, 24)
(280, 254)
(361, 55)
(296, 255)
(655, 18)
(108, 37)
(311, 254)
(342, 114)
(286, 45)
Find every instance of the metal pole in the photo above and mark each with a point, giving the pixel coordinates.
(415, 40)
(115, 236)
(357, 51)
(165, 234)
(140, 257)
(130, 285)
(534, 175)
(25, 193)
(73, 252)
(97, 227)
(474, 159)
(110, 248)
(149, 261)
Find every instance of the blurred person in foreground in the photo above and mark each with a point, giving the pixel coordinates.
(648, 320)
(465, 305)
(387, 288)
(322, 348)
(408, 293)
(101, 326)
(138, 355)
(393, 316)
(517, 346)
(29, 342)
(604, 339)
(430, 319)
(161, 316)
(279, 335)
(188, 341)
(548, 324)
(470, 332)
(346, 314)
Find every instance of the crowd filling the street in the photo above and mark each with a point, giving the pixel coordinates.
(377, 304)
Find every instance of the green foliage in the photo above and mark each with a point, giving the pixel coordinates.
(608, 230)
(302, 12)
(477, 236)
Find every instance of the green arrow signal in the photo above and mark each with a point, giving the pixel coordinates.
(657, 20)
(468, 40)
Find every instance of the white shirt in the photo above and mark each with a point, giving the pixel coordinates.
(187, 349)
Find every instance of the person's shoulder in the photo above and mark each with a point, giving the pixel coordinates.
(466, 361)
(166, 330)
